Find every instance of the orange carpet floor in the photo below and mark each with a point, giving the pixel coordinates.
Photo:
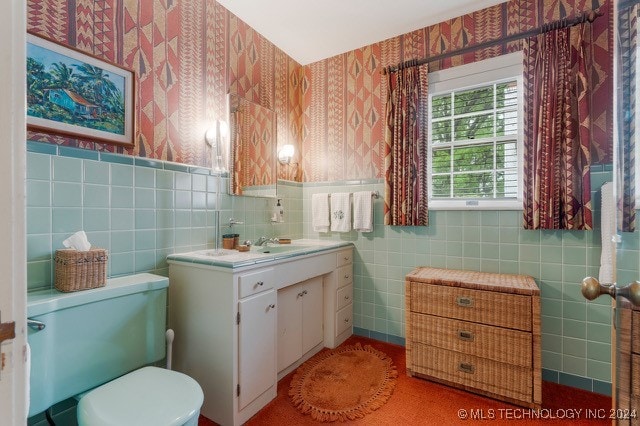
(421, 402)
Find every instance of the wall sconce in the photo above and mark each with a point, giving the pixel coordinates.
(215, 137)
(286, 154)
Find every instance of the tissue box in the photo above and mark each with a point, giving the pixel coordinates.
(80, 270)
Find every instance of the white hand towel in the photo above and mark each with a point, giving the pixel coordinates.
(363, 211)
(608, 231)
(340, 212)
(320, 212)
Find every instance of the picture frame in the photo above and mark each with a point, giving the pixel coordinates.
(72, 93)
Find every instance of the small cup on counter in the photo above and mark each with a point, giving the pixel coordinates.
(228, 241)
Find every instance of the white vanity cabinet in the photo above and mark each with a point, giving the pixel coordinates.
(237, 327)
(300, 320)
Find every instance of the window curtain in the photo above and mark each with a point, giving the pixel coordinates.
(405, 152)
(557, 126)
(627, 21)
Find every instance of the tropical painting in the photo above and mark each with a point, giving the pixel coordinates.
(70, 92)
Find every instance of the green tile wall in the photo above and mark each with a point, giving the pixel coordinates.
(576, 340)
(140, 211)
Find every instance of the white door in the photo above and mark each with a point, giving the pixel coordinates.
(12, 211)
(257, 346)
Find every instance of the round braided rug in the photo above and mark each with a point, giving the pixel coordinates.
(343, 384)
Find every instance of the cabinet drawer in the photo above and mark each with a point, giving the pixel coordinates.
(635, 332)
(344, 319)
(635, 375)
(255, 282)
(498, 344)
(483, 374)
(344, 257)
(344, 275)
(487, 307)
(344, 296)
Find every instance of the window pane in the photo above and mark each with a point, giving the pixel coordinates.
(441, 162)
(441, 186)
(507, 123)
(441, 131)
(506, 155)
(474, 127)
(507, 183)
(480, 99)
(476, 157)
(441, 106)
(506, 94)
(473, 185)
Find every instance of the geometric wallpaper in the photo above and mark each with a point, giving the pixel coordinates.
(344, 96)
(189, 54)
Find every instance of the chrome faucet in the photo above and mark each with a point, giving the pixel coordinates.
(264, 241)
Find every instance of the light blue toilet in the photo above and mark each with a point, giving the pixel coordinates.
(94, 336)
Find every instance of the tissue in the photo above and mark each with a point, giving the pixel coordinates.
(77, 241)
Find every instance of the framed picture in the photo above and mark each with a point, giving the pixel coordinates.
(75, 94)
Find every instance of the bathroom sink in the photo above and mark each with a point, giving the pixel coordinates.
(276, 249)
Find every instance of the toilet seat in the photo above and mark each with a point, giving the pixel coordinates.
(150, 396)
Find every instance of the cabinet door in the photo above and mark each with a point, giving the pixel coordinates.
(256, 346)
(312, 314)
(289, 326)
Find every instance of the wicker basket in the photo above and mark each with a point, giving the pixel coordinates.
(80, 270)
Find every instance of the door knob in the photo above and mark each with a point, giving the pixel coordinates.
(591, 289)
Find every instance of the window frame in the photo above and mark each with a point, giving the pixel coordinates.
(464, 77)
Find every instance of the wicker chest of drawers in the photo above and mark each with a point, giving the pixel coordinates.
(475, 331)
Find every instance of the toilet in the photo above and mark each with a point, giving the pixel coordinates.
(99, 345)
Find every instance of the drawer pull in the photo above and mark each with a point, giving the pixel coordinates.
(346, 320)
(346, 277)
(346, 258)
(346, 298)
(467, 336)
(466, 368)
(272, 306)
(259, 283)
(464, 301)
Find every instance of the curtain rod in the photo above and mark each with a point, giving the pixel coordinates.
(588, 16)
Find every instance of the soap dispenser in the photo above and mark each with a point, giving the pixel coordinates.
(278, 212)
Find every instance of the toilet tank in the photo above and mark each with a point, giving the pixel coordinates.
(93, 336)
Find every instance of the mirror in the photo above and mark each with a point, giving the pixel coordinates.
(253, 165)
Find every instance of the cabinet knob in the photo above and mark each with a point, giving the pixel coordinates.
(346, 277)
(464, 301)
(260, 283)
(346, 298)
(346, 258)
(467, 336)
(272, 306)
(346, 320)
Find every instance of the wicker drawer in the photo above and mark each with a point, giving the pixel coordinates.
(495, 343)
(487, 307)
(470, 371)
(635, 375)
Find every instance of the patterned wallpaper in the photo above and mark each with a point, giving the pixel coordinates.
(344, 96)
(187, 56)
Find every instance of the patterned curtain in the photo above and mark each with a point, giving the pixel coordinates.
(627, 28)
(405, 152)
(557, 125)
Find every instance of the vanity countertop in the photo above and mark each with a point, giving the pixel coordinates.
(257, 255)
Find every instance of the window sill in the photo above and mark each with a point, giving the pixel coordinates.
(475, 205)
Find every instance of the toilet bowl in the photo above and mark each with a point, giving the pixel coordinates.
(97, 345)
(150, 396)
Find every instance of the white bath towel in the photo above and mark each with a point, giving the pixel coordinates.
(608, 231)
(363, 211)
(340, 212)
(320, 212)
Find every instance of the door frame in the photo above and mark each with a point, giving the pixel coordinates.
(13, 287)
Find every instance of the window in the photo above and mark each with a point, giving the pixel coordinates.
(475, 135)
